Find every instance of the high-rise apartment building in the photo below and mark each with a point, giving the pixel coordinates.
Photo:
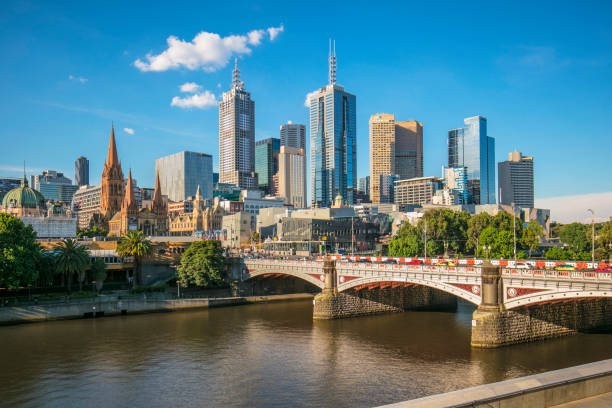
(293, 135)
(266, 162)
(237, 136)
(86, 203)
(396, 148)
(333, 142)
(181, 173)
(515, 180)
(81, 171)
(471, 147)
(292, 176)
(416, 191)
(455, 180)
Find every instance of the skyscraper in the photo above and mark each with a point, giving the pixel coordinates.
(333, 147)
(470, 147)
(237, 135)
(516, 180)
(292, 176)
(81, 171)
(293, 135)
(266, 162)
(408, 149)
(181, 173)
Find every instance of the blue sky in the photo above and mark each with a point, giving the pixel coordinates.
(539, 72)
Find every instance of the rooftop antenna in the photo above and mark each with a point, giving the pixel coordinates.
(236, 83)
(332, 62)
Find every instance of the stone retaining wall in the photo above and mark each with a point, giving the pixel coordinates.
(493, 327)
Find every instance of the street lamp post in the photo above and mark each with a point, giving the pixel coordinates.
(426, 239)
(488, 249)
(593, 237)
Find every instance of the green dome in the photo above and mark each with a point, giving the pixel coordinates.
(23, 197)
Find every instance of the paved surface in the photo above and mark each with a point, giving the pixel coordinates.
(600, 401)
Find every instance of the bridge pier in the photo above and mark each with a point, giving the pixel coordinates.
(495, 326)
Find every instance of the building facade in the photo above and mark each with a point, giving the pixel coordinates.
(237, 229)
(112, 187)
(81, 171)
(7, 184)
(292, 176)
(417, 191)
(85, 204)
(515, 180)
(181, 174)
(472, 148)
(408, 149)
(266, 162)
(455, 180)
(237, 136)
(333, 142)
(293, 135)
(49, 176)
(382, 151)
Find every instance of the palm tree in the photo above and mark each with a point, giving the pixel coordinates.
(71, 258)
(135, 244)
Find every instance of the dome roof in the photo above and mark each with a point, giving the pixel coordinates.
(23, 197)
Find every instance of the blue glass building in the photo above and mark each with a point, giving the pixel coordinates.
(470, 147)
(333, 147)
(266, 162)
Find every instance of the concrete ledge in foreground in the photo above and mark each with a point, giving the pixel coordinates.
(540, 390)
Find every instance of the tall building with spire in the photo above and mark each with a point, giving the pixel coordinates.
(333, 141)
(237, 135)
(112, 187)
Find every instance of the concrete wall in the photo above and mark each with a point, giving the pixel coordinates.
(352, 303)
(493, 327)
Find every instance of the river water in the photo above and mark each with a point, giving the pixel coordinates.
(270, 355)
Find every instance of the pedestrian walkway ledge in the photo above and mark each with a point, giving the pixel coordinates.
(60, 311)
(541, 390)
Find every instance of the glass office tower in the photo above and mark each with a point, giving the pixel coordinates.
(266, 162)
(333, 147)
(470, 147)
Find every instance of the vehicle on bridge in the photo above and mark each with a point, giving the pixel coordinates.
(565, 267)
(521, 265)
(445, 263)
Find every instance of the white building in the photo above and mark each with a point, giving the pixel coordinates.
(292, 176)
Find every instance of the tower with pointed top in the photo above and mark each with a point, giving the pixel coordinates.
(159, 206)
(237, 135)
(111, 186)
(333, 141)
(129, 208)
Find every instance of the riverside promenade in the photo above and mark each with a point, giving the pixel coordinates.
(99, 308)
(585, 386)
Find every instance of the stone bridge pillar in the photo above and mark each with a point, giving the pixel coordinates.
(327, 304)
(488, 319)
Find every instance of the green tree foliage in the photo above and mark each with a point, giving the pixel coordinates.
(98, 273)
(137, 245)
(407, 242)
(91, 232)
(19, 253)
(500, 241)
(558, 254)
(446, 227)
(532, 235)
(71, 258)
(476, 224)
(202, 264)
(576, 236)
(46, 269)
(603, 248)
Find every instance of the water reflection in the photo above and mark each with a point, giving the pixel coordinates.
(263, 355)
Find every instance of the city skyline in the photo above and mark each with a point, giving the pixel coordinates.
(77, 110)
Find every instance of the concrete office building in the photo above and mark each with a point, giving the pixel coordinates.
(54, 186)
(292, 176)
(237, 136)
(293, 135)
(237, 229)
(81, 171)
(86, 203)
(396, 148)
(333, 142)
(266, 162)
(515, 180)
(181, 173)
(416, 191)
(472, 148)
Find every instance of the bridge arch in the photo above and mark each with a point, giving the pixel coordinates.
(314, 275)
(547, 296)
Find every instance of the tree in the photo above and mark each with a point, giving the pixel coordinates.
(576, 236)
(71, 258)
(445, 226)
(202, 264)
(604, 240)
(532, 236)
(557, 254)
(98, 272)
(91, 232)
(46, 269)
(136, 245)
(19, 253)
(500, 241)
(408, 242)
(476, 224)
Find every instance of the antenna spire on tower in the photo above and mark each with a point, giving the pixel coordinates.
(236, 83)
(332, 62)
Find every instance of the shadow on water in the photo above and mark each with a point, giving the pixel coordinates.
(263, 355)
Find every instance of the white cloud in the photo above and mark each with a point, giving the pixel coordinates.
(202, 100)
(190, 87)
(275, 31)
(77, 78)
(574, 208)
(207, 51)
(129, 131)
(307, 100)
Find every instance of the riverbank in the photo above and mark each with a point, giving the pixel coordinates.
(98, 308)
